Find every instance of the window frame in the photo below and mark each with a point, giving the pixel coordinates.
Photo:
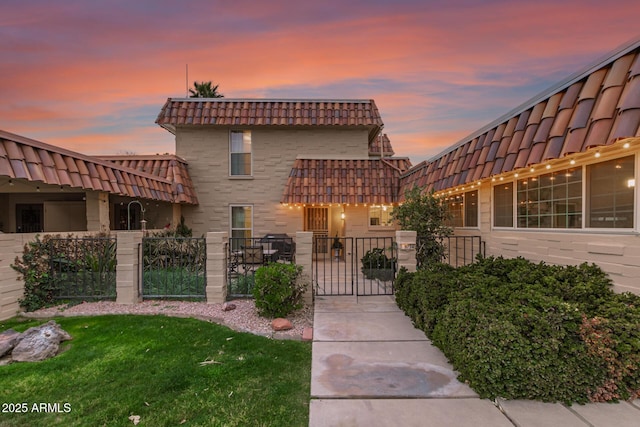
(389, 212)
(231, 153)
(464, 211)
(232, 228)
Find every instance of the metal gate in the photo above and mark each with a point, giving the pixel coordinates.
(173, 267)
(354, 265)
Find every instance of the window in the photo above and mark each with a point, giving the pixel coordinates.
(610, 193)
(241, 225)
(240, 153)
(552, 200)
(380, 216)
(503, 205)
(463, 209)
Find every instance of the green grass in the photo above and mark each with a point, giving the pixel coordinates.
(150, 366)
(174, 282)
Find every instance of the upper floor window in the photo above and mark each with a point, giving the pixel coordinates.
(463, 209)
(610, 193)
(240, 153)
(552, 200)
(380, 216)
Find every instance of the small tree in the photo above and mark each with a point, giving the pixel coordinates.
(425, 214)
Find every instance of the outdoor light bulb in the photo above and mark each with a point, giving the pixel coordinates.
(532, 170)
(516, 175)
(573, 161)
(342, 215)
(11, 183)
(626, 145)
(597, 154)
(548, 166)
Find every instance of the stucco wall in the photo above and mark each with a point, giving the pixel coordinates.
(273, 153)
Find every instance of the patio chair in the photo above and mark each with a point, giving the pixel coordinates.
(253, 255)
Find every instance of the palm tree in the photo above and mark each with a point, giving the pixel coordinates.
(205, 90)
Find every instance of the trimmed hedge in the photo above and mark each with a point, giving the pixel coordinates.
(519, 330)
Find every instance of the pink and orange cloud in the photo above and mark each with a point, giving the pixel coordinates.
(92, 77)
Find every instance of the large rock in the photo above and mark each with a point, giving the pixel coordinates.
(39, 343)
(281, 324)
(8, 340)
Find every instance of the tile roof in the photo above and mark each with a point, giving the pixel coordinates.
(165, 166)
(371, 181)
(269, 112)
(31, 160)
(374, 146)
(593, 108)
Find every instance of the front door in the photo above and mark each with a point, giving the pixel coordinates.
(316, 220)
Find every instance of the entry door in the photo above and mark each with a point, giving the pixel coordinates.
(317, 221)
(29, 218)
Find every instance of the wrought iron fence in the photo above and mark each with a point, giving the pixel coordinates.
(453, 250)
(246, 255)
(174, 267)
(83, 267)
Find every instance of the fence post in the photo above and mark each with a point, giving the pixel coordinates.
(304, 257)
(128, 267)
(216, 267)
(407, 241)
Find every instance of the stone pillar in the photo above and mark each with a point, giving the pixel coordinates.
(128, 280)
(406, 241)
(97, 205)
(216, 267)
(304, 257)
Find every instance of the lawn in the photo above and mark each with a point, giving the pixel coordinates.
(168, 371)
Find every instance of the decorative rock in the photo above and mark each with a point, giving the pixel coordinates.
(227, 306)
(39, 343)
(8, 340)
(281, 324)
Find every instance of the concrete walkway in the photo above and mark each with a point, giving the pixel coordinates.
(371, 367)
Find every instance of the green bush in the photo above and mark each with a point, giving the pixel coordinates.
(278, 289)
(519, 330)
(377, 265)
(39, 286)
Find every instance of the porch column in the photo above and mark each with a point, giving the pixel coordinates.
(406, 241)
(216, 267)
(304, 257)
(176, 214)
(97, 205)
(128, 267)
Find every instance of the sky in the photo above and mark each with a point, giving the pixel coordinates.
(92, 75)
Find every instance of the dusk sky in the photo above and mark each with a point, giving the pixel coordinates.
(91, 76)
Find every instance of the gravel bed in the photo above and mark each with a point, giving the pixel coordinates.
(243, 318)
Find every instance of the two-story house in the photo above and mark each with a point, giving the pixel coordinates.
(265, 166)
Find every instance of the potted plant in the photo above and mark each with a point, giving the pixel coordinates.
(337, 247)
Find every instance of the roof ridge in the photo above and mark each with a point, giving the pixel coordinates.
(355, 100)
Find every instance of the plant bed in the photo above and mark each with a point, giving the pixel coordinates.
(519, 330)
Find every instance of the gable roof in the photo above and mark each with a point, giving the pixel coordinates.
(31, 160)
(269, 112)
(593, 108)
(345, 181)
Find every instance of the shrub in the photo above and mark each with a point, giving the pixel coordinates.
(520, 330)
(377, 265)
(35, 268)
(278, 289)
